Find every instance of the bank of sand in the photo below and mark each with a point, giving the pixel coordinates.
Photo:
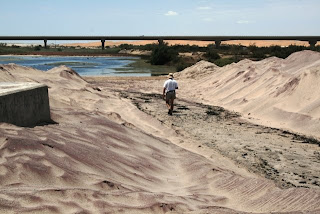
(257, 43)
(114, 148)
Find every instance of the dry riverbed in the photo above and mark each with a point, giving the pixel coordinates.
(290, 160)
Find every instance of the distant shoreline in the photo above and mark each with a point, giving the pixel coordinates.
(53, 54)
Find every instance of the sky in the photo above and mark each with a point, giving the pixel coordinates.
(159, 17)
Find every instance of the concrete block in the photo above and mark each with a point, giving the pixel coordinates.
(24, 104)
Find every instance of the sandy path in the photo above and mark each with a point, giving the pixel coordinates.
(289, 159)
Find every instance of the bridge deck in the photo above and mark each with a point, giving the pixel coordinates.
(196, 38)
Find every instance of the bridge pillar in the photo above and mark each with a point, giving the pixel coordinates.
(160, 41)
(45, 43)
(218, 43)
(102, 43)
(312, 43)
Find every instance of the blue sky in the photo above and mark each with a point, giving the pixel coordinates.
(159, 17)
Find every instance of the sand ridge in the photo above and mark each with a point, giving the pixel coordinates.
(282, 93)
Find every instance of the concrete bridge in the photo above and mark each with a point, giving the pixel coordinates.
(217, 39)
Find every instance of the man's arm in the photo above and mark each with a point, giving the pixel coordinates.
(163, 92)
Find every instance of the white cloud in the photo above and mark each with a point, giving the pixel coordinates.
(171, 13)
(203, 8)
(244, 22)
(208, 19)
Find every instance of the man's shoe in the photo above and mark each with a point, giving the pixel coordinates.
(170, 112)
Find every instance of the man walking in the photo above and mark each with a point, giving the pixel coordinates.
(169, 92)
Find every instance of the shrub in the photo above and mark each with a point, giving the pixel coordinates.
(258, 54)
(224, 61)
(126, 46)
(182, 65)
(163, 54)
(37, 48)
(211, 54)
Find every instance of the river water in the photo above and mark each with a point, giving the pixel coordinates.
(85, 66)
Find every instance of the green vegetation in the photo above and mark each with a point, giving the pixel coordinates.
(143, 65)
(37, 48)
(163, 54)
(224, 61)
(212, 54)
(222, 56)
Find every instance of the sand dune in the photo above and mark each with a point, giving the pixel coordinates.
(104, 155)
(275, 92)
